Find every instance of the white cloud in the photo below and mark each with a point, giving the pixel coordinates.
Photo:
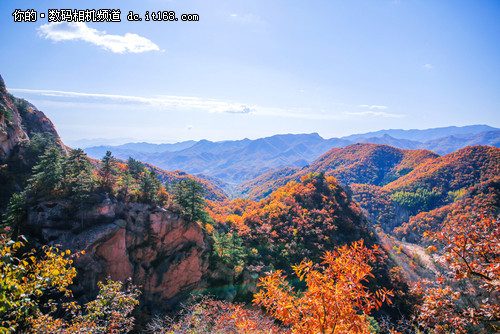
(374, 107)
(373, 113)
(67, 31)
(427, 66)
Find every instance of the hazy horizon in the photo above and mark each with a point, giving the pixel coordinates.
(89, 142)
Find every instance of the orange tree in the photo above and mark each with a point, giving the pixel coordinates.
(335, 299)
(466, 297)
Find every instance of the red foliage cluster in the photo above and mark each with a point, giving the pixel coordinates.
(263, 185)
(483, 197)
(376, 201)
(369, 163)
(461, 169)
(466, 297)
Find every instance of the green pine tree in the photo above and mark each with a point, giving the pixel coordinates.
(47, 175)
(16, 213)
(78, 175)
(78, 178)
(136, 168)
(188, 194)
(150, 186)
(108, 172)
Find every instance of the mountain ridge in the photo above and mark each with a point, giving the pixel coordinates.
(238, 161)
(424, 134)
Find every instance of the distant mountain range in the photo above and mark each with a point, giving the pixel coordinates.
(231, 161)
(423, 135)
(237, 161)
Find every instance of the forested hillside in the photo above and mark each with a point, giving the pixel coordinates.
(373, 164)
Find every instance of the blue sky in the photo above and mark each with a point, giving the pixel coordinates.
(257, 68)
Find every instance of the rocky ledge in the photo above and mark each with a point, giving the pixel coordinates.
(160, 251)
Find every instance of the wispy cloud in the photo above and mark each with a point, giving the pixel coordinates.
(170, 102)
(427, 66)
(164, 101)
(242, 109)
(374, 107)
(374, 110)
(68, 31)
(373, 113)
(247, 18)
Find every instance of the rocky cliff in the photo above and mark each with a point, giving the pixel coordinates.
(11, 132)
(160, 251)
(19, 120)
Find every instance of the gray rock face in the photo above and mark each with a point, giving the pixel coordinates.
(165, 255)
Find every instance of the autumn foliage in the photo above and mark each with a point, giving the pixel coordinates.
(300, 220)
(35, 295)
(26, 277)
(335, 300)
(215, 316)
(466, 297)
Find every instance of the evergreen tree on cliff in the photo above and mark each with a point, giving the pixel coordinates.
(189, 195)
(108, 172)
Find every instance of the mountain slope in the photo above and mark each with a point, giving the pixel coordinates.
(369, 163)
(414, 189)
(454, 171)
(373, 164)
(260, 187)
(480, 199)
(298, 221)
(433, 192)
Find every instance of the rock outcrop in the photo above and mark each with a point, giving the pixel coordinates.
(160, 251)
(19, 120)
(11, 132)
